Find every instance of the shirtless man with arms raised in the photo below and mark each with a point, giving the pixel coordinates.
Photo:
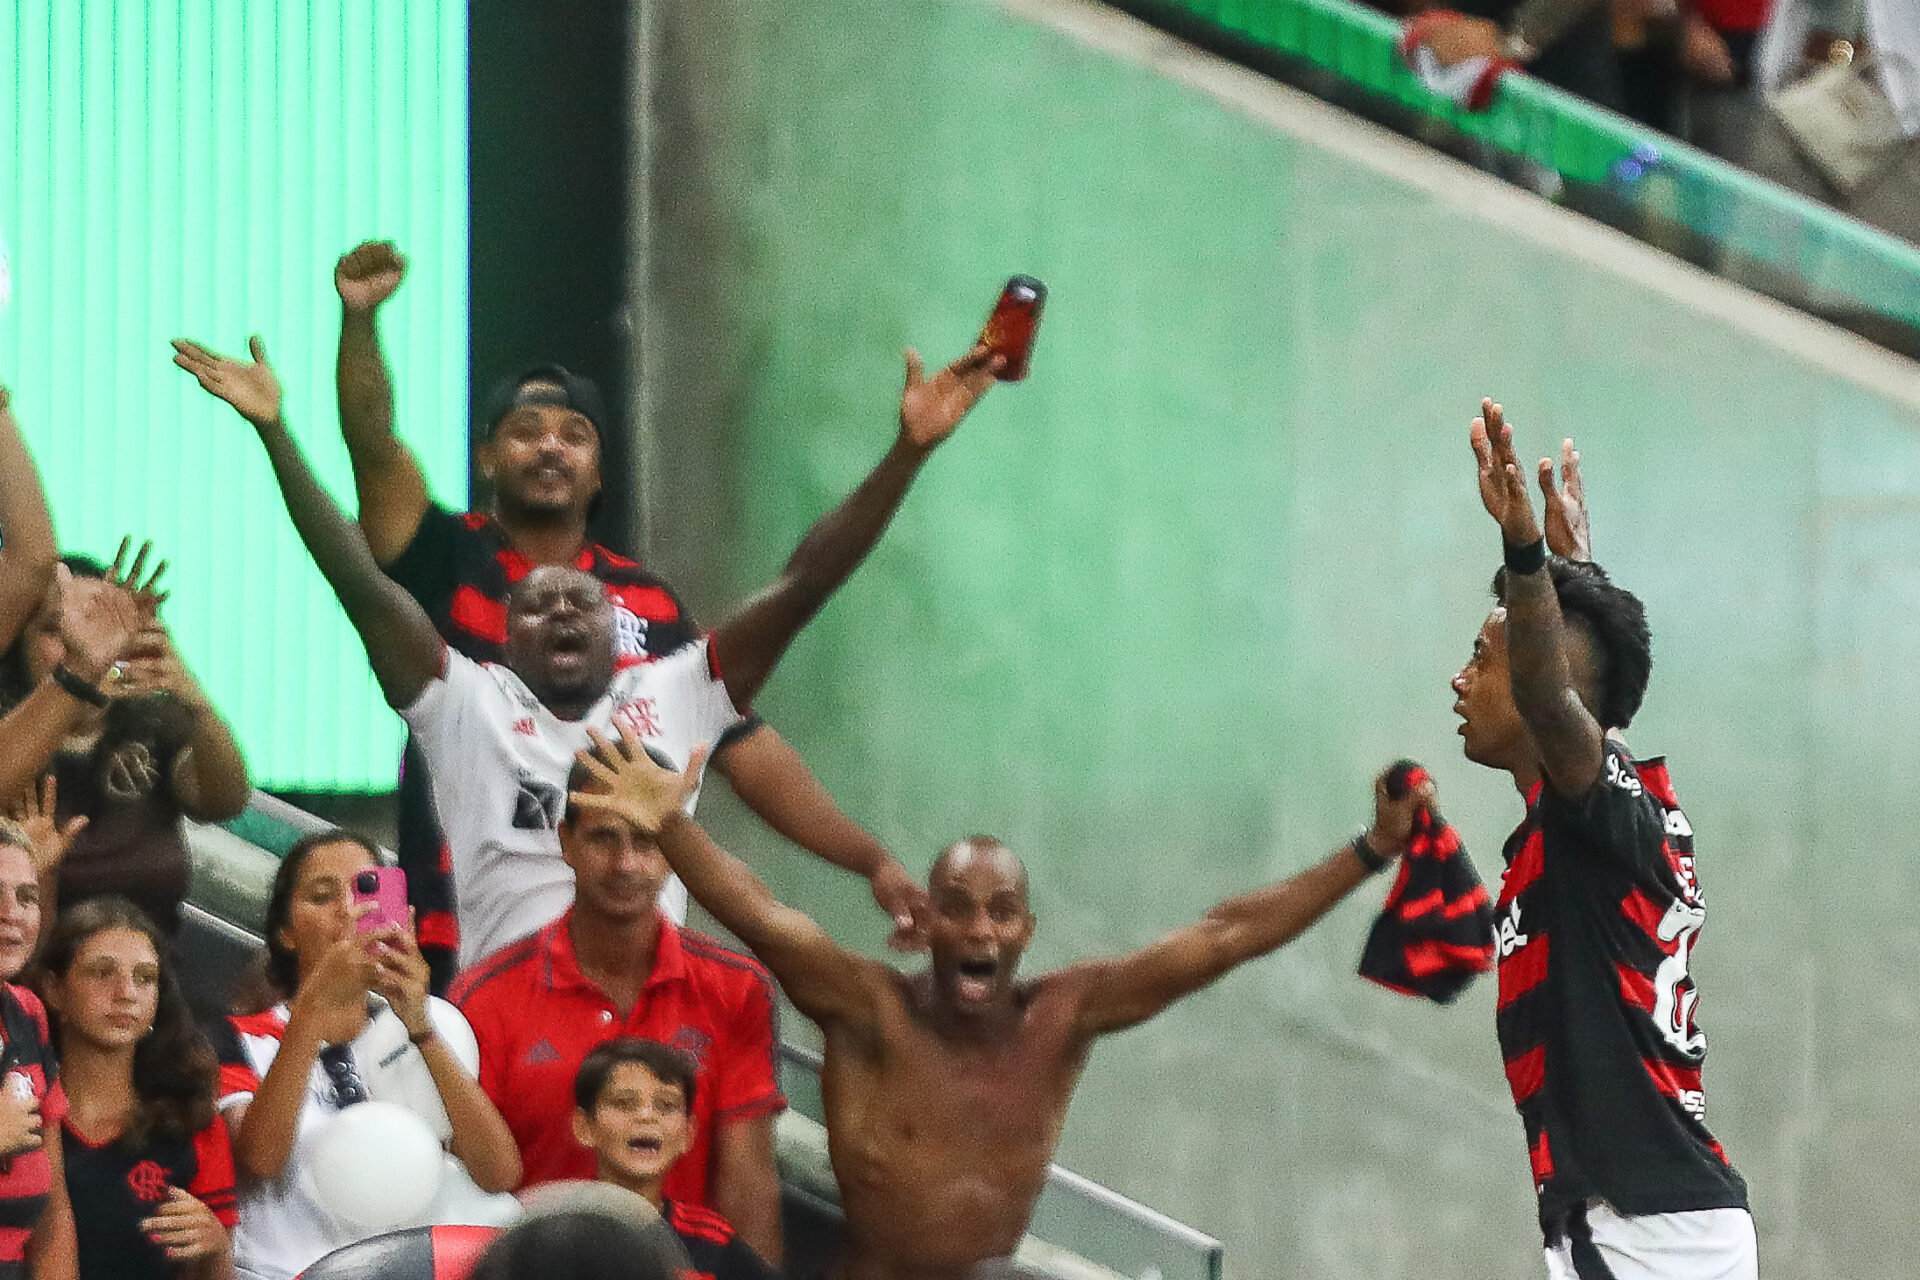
(946, 1090)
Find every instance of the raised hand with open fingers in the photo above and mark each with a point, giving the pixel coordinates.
(930, 408)
(1503, 485)
(633, 787)
(368, 274)
(249, 386)
(145, 591)
(96, 621)
(1567, 531)
(37, 814)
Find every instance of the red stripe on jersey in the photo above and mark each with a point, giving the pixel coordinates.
(476, 615)
(438, 929)
(474, 521)
(1524, 870)
(1420, 906)
(1636, 988)
(615, 560)
(1526, 1072)
(266, 1023)
(1658, 782)
(1523, 970)
(513, 564)
(237, 1078)
(13, 1243)
(1541, 1157)
(1466, 904)
(1670, 1079)
(1432, 956)
(652, 603)
(1646, 916)
(692, 1220)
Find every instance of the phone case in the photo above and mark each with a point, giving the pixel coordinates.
(388, 894)
(1010, 329)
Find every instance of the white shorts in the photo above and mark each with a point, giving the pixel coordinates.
(1707, 1244)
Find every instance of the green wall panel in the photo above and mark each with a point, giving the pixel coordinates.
(1156, 615)
(194, 167)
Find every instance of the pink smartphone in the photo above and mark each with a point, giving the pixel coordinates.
(386, 889)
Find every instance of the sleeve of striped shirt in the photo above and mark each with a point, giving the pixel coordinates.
(213, 1178)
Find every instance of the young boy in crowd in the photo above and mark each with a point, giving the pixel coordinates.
(634, 1110)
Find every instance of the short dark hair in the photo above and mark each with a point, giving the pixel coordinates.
(1615, 622)
(583, 1244)
(283, 966)
(668, 1064)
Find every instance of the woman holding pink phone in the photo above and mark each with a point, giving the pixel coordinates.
(357, 1024)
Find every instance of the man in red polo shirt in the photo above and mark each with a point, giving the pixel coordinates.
(614, 965)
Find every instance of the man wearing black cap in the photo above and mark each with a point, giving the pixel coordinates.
(541, 456)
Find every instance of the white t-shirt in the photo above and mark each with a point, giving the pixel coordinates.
(499, 761)
(283, 1229)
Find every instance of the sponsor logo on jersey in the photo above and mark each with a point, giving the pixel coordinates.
(524, 727)
(1507, 937)
(1622, 777)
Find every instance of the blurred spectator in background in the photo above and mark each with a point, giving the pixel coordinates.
(1842, 79)
(287, 1072)
(1567, 43)
(1716, 106)
(149, 1169)
(152, 752)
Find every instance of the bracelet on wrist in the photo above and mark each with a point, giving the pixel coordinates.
(79, 686)
(1370, 858)
(1531, 558)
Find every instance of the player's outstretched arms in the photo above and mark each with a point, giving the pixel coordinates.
(28, 552)
(1570, 741)
(405, 651)
(750, 643)
(1121, 991)
(386, 476)
(827, 983)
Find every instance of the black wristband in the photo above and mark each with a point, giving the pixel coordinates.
(1370, 858)
(1531, 558)
(85, 690)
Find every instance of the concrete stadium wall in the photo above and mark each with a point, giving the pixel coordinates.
(1158, 614)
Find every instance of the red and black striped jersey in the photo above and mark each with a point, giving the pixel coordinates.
(27, 1064)
(1600, 908)
(712, 1247)
(114, 1185)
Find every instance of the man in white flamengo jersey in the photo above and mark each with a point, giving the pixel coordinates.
(499, 739)
(1598, 912)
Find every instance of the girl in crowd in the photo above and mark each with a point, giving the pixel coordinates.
(288, 1071)
(148, 750)
(35, 1221)
(149, 1170)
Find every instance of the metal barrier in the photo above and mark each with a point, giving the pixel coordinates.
(1646, 183)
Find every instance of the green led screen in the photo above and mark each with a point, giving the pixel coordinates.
(194, 167)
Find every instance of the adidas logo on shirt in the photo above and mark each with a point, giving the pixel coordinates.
(542, 1053)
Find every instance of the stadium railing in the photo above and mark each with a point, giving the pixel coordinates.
(1649, 184)
(1081, 1230)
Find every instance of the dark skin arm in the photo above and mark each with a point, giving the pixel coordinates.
(28, 553)
(771, 778)
(750, 643)
(1122, 991)
(95, 627)
(386, 476)
(1570, 742)
(827, 983)
(746, 1185)
(404, 649)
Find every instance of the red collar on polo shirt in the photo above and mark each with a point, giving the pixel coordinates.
(561, 968)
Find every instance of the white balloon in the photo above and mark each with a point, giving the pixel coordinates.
(375, 1167)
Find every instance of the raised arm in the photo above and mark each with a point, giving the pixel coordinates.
(28, 552)
(1570, 742)
(401, 644)
(828, 984)
(386, 476)
(769, 775)
(96, 621)
(750, 643)
(1120, 991)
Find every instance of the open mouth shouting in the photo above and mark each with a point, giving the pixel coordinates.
(974, 978)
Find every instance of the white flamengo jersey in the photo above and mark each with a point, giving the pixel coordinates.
(499, 760)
